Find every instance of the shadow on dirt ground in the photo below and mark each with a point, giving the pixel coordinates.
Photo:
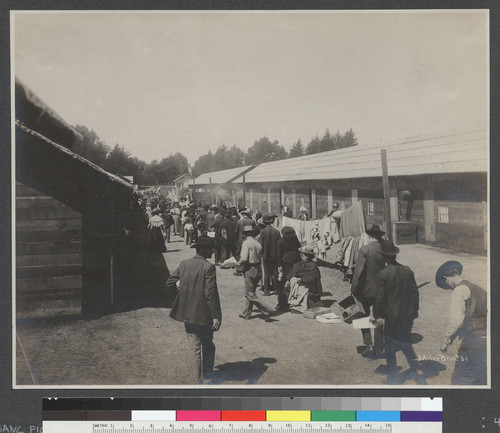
(418, 376)
(241, 371)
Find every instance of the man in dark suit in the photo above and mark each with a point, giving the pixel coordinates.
(397, 302)
(269, 237)
(364, 286)
(198, 305)
(226, 237)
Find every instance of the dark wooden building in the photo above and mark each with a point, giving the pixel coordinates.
(70, 242)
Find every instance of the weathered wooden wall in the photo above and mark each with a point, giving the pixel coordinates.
(48, 255)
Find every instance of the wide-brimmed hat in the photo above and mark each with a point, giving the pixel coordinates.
(203, 242)
(247, 229)
(268, 218)
(308, 251)
(447, 269)
(245, 211)
(375, 231)
(388, 248)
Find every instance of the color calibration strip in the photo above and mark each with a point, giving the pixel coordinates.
(369, 409)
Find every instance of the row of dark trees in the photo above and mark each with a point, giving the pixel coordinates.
(265, 150)
(118, 161)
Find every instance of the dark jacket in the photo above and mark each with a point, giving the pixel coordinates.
(198, 299)
(369, 263)
(269, 237)
(398, 297)
(288, 248)
(227, 234)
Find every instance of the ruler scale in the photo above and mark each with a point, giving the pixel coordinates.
(350, 415)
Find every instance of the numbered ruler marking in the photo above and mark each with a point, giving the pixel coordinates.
(240, 427)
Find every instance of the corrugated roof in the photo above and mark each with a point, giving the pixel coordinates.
(223, 176)
(463, 152)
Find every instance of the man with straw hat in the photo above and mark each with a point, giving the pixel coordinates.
(397, 302)
(251, 263)
(468, 319)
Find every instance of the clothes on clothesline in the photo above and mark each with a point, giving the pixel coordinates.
(327, 227)
(352, 222)
(347, 253)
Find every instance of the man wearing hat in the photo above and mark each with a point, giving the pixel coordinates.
(468, 319)
(245, 220)
(226, 236)
(364, 286)
(269, 237)
(211, 218)
(251, 262)
(197, 304)
(397, 302)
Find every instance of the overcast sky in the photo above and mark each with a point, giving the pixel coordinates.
(162, 82)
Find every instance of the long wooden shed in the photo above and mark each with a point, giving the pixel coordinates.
(438, 186)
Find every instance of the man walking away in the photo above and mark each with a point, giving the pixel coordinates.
(364, 286)
(468, 319)
(397, 302)
(269, 237)
(198, 305)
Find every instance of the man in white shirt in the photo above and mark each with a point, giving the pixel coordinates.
(467, 320)
(251, 263)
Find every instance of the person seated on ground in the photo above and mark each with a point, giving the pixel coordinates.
(309, 276)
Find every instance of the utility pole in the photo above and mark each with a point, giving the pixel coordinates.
(387, 199)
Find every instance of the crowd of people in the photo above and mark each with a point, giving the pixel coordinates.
(280, 264)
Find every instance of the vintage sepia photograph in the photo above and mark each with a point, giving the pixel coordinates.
(250, 199)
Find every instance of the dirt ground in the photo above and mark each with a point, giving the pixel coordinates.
(144, 347)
